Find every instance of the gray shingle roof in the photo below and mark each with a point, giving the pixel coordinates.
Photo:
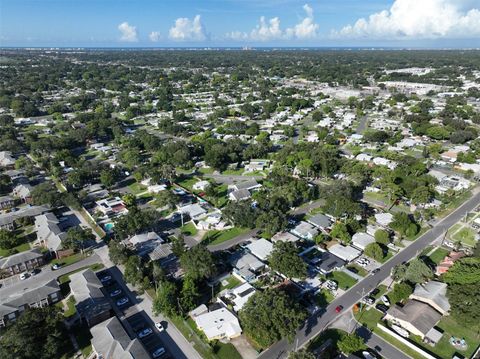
(20, 258)
(420, 315)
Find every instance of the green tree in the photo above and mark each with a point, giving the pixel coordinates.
(198, 262)
(241, 214)
(108, 177)
(117, 252)
(351, 343)
(165, 301)
(188, 295)
(399, 272)
(382, 237)
(401, 292)
(133, 270)
(271, 315)
(464, 271)
(39, 333)
(340, 231)
(404, 224)
(464, 302)
(272, 222)
(301, 354)
(77, 237)
(375, 251)
(418, 271)
(285, 259)
(166, 199)
(8, 239)
(46, 193)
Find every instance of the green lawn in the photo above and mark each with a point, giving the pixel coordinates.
(189, 229)
(137, 188)
(382, 289)
(324, 297)
(389, 255)
(369, 318)
(465, 235)
(187, 182)
(217, 237)
(438, 255)
(20, 248)
(343, 280)
(226, 351)
(70, 312)
(232, 283)
(360, 271)
(69, 260)
(233, 172)
(206, 170)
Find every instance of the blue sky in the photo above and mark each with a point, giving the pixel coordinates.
(140, 23)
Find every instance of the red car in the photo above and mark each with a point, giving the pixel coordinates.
(339, 308)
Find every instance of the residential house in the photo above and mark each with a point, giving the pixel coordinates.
(384, 219)
(346, 253)
(156, 188)
(194, 211)
(434, 294)
(448, 262)
(21, 262)
(111, 206)
(239, 195)
(6, 202)
(162, 253)
(213, 221)
(6, 159)
(7, 220)
(238, 296)
(144, 243)
(49, 233)
(219, 324)
(246, 266)
(34, 294)
(417, 317)
(92, 306)
(201, 186)
(321, 221)
(23, 191)
(305, 231)
(250, 185)
(260, 248)
(257, 165)
(327, 262)
(361, 240)
(284, 237)
(111, 341)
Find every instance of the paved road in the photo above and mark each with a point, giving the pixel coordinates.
(318, 322)
(230, 179)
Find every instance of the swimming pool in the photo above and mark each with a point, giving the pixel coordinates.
(108, 227)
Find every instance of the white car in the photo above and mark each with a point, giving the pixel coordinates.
(144, 333)
(23, 276)
(158, 352)
(159, 326)
(385, 300)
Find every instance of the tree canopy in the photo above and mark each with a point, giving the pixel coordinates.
(285, 259)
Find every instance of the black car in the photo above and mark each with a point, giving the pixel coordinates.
(374, 292)
(376, 270)
(382, 307)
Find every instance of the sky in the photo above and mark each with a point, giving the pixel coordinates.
(239, 23)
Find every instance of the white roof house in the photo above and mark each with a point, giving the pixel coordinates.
(240, 295)
(200, 185)
(261, 248)
(194, 210)
(347, 253)
(360, 240)
(219, 324)
(384, 219)
(364, 157)
(145, 237)
(155, 188)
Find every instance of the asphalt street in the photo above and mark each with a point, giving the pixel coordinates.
(319, 321)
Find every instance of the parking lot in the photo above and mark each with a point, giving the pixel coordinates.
(133, 320)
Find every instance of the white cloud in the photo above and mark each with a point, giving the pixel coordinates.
(307, 28)
(418, 19)
(268, 30)
(186, 29)
(154, 36)
(128, 32)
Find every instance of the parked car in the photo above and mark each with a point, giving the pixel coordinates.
(106, 278)
(339, 308)
(368, 300)
(115, 293)
(374, 292)
(353, 269)
(382, 307)
(122, 301)
(385, 300)
(159, 326)
(158, 352)
(56, 266)
(23, 276)
(35, 271)
(144, 333)
(376, 270)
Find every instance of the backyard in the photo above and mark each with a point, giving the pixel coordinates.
(217, 237)
(343, 280)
